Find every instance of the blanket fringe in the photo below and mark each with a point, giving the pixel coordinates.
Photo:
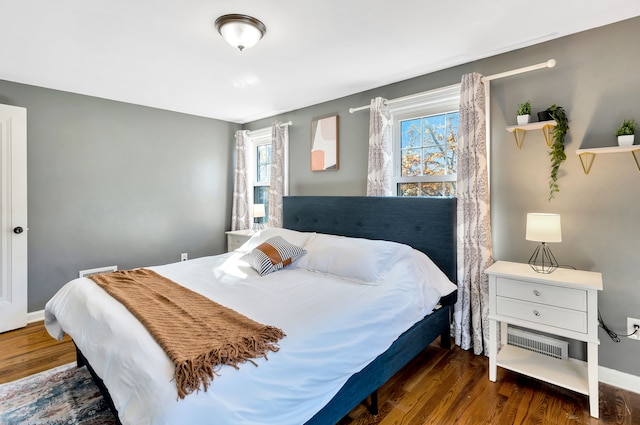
(190, 374)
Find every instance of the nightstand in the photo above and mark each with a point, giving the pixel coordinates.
(563, 303)
(235, 238)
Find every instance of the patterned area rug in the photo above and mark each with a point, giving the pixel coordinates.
(64, 395)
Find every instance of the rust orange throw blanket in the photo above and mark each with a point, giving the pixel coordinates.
(197, 334)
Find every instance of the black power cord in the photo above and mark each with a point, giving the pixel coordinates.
(614, 336)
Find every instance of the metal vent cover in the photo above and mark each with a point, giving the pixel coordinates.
(538, 343)
(99, 270)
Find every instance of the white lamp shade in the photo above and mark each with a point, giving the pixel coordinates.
(258, 210)
(543, 227)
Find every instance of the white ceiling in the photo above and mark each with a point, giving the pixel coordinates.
(167, 54)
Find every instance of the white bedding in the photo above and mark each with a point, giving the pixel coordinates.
(334, 328)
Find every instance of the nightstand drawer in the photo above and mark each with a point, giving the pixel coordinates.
(233, 245)
(542, 314)
(575, 299)
(235, 242)
(236, 238)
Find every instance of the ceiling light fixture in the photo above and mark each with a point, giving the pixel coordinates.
(240, 31)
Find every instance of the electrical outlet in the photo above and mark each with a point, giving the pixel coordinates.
(184, 256)
(633, 325)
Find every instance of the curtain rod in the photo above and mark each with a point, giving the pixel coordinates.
(406, 98)
(548, 64)
(282, 124)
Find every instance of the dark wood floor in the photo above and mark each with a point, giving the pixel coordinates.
(438, 387)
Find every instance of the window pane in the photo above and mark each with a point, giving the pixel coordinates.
(264, 154)
(452, 159)
(434, 163)
(408, 189)
(411, 135)
(263, 173)
(431, 189)
(449, 189)
(434, 129)
(451, 134)
(438, 189)
(261, 196)
(263, 157)
(411, 162)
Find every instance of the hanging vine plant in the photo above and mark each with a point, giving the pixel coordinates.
(557, 154)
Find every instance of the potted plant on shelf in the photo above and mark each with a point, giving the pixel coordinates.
(626, 132)
(544, 116)
(557, 153)
(524, 111)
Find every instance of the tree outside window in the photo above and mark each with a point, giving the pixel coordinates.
(428, 155)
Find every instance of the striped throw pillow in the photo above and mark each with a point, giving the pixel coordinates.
(273, 254)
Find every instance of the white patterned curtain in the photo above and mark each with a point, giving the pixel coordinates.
(279, 142)
(240, 215)
(471, 311)
(380, 173)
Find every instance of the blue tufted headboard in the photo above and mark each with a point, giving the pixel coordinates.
(426, 224)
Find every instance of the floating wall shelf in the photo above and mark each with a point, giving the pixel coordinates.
(587, 156)
(519, 131)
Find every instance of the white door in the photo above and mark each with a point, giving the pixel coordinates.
(13, 227)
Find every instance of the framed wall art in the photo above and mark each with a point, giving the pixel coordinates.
(324, 143)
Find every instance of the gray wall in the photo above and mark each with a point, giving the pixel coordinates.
(113, 183)
(596, 81)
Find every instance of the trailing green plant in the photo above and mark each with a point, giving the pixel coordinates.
(524, 108)
(557, 154)
(627, 128)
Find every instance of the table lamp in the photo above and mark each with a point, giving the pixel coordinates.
(258, 215)
(543, 228)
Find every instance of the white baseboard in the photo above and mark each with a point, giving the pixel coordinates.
(626, 381)
(35, 316)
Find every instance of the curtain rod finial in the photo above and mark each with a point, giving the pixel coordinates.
(551, 63)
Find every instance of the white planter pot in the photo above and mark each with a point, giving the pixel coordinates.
(523, 119)
(626, 140)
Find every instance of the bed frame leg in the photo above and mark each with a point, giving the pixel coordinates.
(80, 360)
(373, 408)
(445, 340)
(445, 336)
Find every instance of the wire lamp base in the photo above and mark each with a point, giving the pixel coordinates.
(542, 259)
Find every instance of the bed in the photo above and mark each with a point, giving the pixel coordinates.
(390, 331)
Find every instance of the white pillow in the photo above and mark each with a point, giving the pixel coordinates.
(292, 236)
(433, 275)
(356, 259)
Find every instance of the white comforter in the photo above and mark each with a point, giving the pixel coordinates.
(334, 327)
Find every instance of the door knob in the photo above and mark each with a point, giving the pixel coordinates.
(18, 230)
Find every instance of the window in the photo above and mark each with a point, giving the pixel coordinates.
(260, 167)
(425, 143)
(263, 176)
(428, 155)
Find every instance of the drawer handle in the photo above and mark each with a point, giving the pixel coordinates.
(536, 312)
(536, 292)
